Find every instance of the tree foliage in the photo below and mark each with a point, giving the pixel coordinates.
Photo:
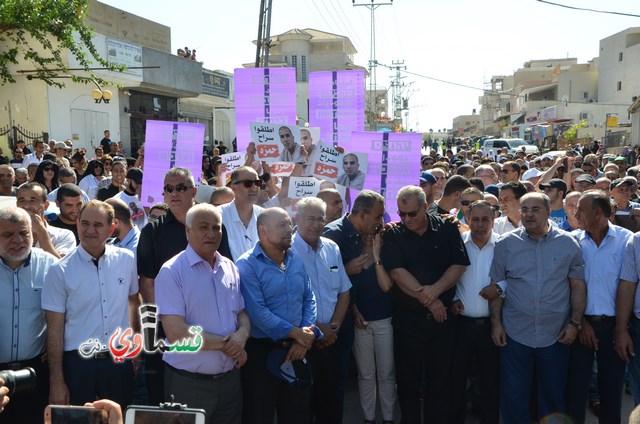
(572, 133)
(38, 34)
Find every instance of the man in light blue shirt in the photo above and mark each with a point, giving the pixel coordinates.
(603, 246)
(126, 234)
(23, 328)
(330, 285)
(282, 309)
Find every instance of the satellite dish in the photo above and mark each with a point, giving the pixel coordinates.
(565, 98)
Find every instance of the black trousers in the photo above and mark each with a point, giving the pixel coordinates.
(91, 379)
(420, 343)
(264, 394)
(610, 375)
(475, 354)
(154, 372)
(325, 366)
(29, 407)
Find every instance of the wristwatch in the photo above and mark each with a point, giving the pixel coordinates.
(576, 324)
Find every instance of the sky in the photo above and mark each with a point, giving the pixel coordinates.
(460, 41)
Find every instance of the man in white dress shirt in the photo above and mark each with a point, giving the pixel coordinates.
(474, 344)
(89, 294)
(239, 217)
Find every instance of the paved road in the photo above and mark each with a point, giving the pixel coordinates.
(353, 412)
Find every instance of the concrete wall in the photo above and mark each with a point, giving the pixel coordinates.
(129, 27)
(182, 77)
(613, 70)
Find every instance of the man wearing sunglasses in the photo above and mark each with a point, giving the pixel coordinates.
(425, 256)
(239, 216)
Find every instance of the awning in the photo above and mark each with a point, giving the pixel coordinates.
(516, 116)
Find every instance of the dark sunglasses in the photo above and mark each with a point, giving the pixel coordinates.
(180, 188)
(48, 168)
(248, 183)
(108, 163)
(465, 202)
(409, 214)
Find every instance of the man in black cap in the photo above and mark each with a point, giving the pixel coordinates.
(556, 189)
(584, 182)
(131, 196)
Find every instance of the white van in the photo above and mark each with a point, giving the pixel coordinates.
(512, 144)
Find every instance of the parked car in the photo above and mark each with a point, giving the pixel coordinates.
(512, 144)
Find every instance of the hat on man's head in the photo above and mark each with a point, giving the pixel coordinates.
(60, 145)
(296, 373)
(531, 173)
(622, 181)
(586, 178)
(135, 175)
(547, 156)
(426, 177)
(620, 158)
(555, 183)
(493, 189)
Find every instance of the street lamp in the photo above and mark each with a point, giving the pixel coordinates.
(100, 95)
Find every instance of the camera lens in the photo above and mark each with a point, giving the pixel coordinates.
(21, 381)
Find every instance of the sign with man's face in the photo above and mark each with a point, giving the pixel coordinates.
(275, 142)
(263, 95)
(354, 170)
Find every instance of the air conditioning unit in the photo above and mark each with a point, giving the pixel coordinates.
(584, 116)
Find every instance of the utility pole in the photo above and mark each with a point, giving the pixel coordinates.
(373, 63)
(264, 35)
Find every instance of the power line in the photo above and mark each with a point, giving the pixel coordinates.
(589, 10)
(354, 32)
(322, 16)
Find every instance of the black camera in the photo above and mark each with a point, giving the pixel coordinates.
(21, 381)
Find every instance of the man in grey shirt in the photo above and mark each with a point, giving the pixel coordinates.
(541, 312)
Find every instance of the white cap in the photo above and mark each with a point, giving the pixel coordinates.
(531, 173)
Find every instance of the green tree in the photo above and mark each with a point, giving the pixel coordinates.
(38, 33)
(571, 134)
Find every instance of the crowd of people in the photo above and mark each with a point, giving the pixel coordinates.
(512, 275)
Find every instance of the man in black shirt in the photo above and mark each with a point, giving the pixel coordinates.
(425, 256)
(118, 173)
(451, 196)
(106, 141)
(69, 201)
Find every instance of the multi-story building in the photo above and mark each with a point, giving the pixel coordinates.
(466, 125)
(151, 89)
(310, 50)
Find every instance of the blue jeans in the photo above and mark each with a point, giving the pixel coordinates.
(517, 363)
(634, 361)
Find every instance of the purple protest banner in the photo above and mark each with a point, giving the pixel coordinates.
(263, 95)
(394, 162)
(169, 144)
(336, 104)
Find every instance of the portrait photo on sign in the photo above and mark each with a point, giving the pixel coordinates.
(354, 170)
(309, 139)
(290, 150)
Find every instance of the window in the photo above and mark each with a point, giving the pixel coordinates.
(620, 57)
(303, 68)
(294, 62)
(584, 94)
(619, 85)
